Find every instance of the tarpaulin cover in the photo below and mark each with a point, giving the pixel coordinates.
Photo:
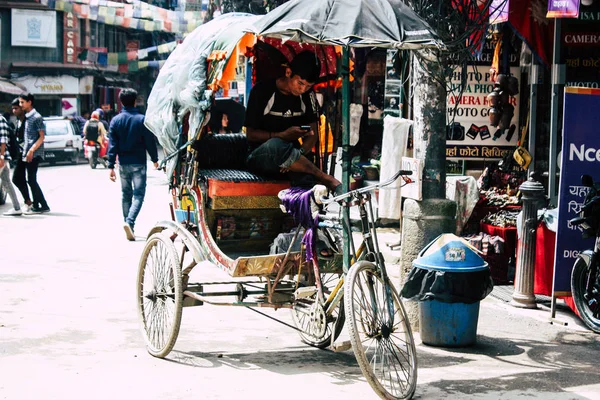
(183, 83)
(448, 270)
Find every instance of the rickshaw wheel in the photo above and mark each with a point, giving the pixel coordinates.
(310, 318)
(160, 294)
(385, 349)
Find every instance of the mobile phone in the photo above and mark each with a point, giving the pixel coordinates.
(305, 127)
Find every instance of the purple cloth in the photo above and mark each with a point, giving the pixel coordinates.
(297, 202)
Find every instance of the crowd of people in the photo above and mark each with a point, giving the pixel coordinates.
(22, 145)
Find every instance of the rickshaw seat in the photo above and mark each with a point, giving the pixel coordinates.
(222, 165)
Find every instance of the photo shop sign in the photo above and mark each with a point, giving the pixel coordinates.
(469, 134)
(580, 155)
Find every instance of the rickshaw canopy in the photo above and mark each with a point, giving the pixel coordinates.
(353, 23)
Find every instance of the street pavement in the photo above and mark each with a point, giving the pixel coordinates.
(69, 327)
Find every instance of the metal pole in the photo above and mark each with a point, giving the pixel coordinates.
(533, 195)
(557, 80)
(346, 147)
(533, 91)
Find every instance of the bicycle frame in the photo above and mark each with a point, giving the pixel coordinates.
(368, 249)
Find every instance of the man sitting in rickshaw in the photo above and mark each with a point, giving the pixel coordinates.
(281, 112)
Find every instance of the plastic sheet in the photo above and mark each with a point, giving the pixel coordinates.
(447, 287)
(182, 85)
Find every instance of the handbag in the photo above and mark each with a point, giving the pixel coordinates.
(521, 155)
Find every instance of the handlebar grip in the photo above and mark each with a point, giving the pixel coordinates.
(405, 172)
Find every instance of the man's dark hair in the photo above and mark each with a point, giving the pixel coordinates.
(307, 66)
(28, 97)
(127, 97)
(15, 102)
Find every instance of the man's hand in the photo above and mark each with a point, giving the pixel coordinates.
(112, 175)
(155, 165)
(29, 156)
(294, 133)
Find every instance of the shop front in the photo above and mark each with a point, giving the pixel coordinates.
(59, 95)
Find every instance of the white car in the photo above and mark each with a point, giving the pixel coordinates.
(62, 141)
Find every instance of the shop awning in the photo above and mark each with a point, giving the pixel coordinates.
(9, 87)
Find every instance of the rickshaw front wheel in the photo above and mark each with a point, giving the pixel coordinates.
(160, 294)
(380, 333)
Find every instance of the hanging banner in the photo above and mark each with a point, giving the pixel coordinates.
(580, 155)
(70, 38)
(499, 11)
(469, 133)
(563, 9)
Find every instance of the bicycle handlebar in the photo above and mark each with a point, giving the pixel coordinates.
(366, 188)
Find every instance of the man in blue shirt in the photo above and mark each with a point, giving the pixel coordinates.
(129, 141)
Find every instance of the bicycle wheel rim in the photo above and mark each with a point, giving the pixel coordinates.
(384, 349)
(160, 297)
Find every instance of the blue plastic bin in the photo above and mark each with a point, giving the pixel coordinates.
(449, 324)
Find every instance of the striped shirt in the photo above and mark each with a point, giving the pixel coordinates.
(4, 131)
(34, 123)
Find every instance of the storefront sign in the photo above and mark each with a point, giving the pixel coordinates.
(64, 84)
(86, 84)
(472, 136)
(580, 156)
(69, 106)
(70, 38)
(563, 9)
(412, 190)
(499, 11)
(33, 28)
(580, 50)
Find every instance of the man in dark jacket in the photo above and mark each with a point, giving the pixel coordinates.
(129, 140)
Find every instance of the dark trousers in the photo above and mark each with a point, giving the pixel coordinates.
(20, 182)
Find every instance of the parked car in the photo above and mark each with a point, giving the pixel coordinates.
(63, 140)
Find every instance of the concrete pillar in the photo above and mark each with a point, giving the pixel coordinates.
(422, 221)
(533, 196)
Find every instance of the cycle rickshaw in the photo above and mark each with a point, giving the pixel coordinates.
(211, 191)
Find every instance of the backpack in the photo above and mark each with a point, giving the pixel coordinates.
(91, 132)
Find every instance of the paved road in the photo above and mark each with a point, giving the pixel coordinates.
(69, 329)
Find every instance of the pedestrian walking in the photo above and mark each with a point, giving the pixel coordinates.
(5, 132)
(33, 153)
(129, 140)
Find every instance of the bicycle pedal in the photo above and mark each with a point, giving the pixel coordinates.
(305, 292)
(342, 346)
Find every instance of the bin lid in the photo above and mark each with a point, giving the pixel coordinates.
(449, 252)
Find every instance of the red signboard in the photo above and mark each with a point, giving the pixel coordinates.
(70, 38)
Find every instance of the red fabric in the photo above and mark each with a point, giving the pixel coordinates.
(477, 22)
(544, 261)
(326, 54)
(545, 244)
(571, 304)
(509, 235)
(528, 19)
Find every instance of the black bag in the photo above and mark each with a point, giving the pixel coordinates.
(91, 132)
(13, 148)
